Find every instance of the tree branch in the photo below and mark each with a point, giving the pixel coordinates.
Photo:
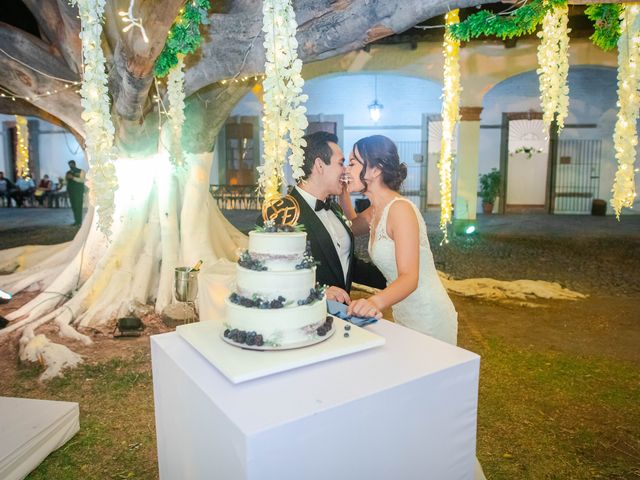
(59, 23)
(19, 49)
(22, 107)
(325, 29)
(206, 112)
(133, 58)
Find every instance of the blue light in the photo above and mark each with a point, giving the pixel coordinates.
(470, 229)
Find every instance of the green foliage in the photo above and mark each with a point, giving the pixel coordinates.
(521, 21)
(606, 20)
(525, 20)
(184, 36)
(273, 228)
(490, 185)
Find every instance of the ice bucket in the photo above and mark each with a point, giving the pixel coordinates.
(186, 284)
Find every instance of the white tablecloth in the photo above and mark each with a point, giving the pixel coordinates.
(406, 410)
(32, 429)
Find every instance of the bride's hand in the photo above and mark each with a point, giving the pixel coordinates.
(363, 307)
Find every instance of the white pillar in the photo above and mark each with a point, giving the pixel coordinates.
(467, 173)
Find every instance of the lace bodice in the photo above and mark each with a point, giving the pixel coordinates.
(387, 263)
(428, 309)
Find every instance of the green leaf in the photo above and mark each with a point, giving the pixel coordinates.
(520, 22)
(606, 21)
(184, 36)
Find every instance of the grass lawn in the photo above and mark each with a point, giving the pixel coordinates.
(542, 414)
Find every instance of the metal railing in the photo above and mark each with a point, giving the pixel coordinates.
(236, 197)
(577, 175)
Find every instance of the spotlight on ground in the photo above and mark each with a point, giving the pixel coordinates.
(470, 230)
(5, 296)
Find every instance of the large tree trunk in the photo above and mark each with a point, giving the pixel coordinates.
(165, 217)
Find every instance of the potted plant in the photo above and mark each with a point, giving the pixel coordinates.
(489, 189)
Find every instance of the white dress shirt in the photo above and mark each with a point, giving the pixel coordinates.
(337, 231)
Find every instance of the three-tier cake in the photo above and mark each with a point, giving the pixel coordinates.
(276, 303)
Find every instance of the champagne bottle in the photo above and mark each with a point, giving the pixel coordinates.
(197, 266)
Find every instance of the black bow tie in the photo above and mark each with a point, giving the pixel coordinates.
(320, 205)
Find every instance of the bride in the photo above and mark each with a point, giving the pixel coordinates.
(398, 243)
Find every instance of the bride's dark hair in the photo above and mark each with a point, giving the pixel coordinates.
(380, 151)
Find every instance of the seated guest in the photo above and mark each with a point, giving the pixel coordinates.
(6, 187)
(25, 187)
(44, 190)
(58, 193)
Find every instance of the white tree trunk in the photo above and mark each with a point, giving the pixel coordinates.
(164, 218)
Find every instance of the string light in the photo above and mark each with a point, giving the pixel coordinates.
(625, 136)
(22, 148)
(175, 90)
(17, 60)
(127, 17)
(6, 93)
(248, 79)
(450, 116)
(553, 57)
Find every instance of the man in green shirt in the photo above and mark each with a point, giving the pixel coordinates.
(75, 188)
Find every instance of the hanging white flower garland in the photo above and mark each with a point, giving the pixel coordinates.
(625, 136)
(553, 58)
(22, 150)
(284, 119)
(175, 91)
(96, 114)
(450, 117)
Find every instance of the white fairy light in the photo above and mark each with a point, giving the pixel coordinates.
(450, 116)
(22, 150)
(625, 136)
(175, 91)
(127, 17)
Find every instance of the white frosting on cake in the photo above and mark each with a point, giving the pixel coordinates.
(279, 251)
(293, 285)
(279, 326)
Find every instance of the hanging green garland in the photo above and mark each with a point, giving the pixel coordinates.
(184, 36)
(521, 21)
(606, 20)
(525, 20)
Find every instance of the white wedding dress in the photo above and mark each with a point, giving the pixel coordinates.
(428, 309)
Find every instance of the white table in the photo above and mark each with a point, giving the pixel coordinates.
(406, 410)
(30, 430)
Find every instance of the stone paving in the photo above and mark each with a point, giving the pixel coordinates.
(594, 255)
(585, 226)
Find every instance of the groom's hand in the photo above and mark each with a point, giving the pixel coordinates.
(338, 294)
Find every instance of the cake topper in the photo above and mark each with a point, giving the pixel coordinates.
(281, 210)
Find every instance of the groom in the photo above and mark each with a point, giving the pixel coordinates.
(331, 239)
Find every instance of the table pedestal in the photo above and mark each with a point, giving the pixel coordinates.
(406, 410)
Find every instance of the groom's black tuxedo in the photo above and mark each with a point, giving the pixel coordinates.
(329, 271)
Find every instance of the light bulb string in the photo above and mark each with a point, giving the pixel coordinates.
(73, 82)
